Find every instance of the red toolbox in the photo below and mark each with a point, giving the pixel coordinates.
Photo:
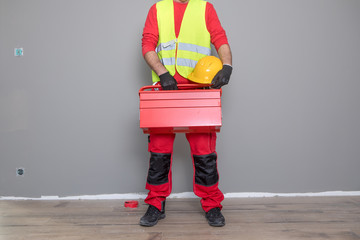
(184, 110)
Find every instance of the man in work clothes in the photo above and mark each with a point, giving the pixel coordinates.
(176, 35)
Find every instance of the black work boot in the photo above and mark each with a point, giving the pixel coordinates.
(215, 218)
(152, 216)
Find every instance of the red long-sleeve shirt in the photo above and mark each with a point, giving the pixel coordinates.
(151, 31)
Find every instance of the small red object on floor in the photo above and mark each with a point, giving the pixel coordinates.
(131, 204)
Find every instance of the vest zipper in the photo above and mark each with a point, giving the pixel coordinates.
(176, 48)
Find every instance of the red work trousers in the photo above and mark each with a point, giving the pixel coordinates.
(205, 180)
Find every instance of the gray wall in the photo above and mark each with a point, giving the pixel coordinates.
(69, 106)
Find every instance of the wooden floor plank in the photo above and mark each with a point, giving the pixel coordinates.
(246, 218)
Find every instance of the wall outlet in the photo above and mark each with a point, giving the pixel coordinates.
(18, 52)
(20, 172)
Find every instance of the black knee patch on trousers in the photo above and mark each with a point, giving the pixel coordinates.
(206, 173)
(159, 168)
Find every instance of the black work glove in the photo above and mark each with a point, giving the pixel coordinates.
(222, 77)
(168, 82)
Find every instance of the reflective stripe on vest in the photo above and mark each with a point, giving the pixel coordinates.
(193, 42)
(168, 61)
(186, 62)
(166, 46)
(194, 48)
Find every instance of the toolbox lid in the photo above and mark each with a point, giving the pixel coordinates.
(180, 94)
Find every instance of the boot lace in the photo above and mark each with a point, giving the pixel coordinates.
(152, 211)
(215, 213)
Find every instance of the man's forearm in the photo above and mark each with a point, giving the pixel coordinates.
(224, 52)
(223, 76)
(154, 63)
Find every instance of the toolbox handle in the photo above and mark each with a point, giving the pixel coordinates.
(179, 85)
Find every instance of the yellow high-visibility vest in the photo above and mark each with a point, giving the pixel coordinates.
(193, 42)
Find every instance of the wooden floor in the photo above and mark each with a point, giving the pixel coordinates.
(246, 218)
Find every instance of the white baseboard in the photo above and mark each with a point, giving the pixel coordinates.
(188, 195)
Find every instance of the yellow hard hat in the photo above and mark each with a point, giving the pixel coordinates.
(205, 70)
